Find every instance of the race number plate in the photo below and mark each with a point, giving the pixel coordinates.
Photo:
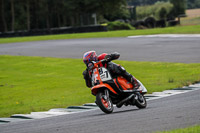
(104, 74)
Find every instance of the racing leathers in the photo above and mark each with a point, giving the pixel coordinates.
(115, 70)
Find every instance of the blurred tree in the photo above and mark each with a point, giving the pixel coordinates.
(28, 15)
(20, 15)
(143, 2)
(163, 13)
(197, 3)
(3, 24)
(114, 10)
(159, 10)
(179, 7)
(13, 15)
(191, 4)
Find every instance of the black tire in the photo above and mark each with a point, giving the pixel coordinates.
(141, 102)
(105, 105)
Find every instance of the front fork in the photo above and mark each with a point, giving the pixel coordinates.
(106, 96)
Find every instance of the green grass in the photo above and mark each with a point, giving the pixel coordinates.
(193, 129)
(195, 29)
(39, 83)
(190, 21)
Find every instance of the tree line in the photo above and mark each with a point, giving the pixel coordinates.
(29, 15)
(190, 4)
(44, 14)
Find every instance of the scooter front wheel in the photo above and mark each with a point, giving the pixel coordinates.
(104, 103)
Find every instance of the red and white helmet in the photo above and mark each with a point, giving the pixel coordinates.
(89, 56)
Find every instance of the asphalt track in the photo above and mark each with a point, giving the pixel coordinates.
(161, 49)
(177, 111)
(172, 112)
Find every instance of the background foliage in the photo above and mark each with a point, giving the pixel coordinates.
(155, 10)
(40, 14)
(16, 15)
(190, 3)
(117, 25)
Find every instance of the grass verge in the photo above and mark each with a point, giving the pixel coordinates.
(193, 129)
(194, 29)
(39, 83)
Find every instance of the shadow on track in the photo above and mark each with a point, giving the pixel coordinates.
(117, 112)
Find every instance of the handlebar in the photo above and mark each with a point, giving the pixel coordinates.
(94, 64)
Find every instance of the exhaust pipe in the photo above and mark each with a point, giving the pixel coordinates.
(119, 105)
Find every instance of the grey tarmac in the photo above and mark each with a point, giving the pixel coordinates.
(160, 49)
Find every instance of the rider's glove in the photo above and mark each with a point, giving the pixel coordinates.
(108, 58)
(112, 56)
(115, 56)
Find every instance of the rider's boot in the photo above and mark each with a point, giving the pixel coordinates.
(121, 71)
(132, 80)
(135, 83)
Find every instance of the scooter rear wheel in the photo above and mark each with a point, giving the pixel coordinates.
(105, 104)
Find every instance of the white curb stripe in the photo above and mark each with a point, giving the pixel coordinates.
(166, 35)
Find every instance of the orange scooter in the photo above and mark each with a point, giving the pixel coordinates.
(109, 91)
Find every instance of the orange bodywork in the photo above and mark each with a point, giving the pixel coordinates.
(124, 83)
(97, 87)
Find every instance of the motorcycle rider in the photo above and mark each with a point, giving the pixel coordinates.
(114, 69)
